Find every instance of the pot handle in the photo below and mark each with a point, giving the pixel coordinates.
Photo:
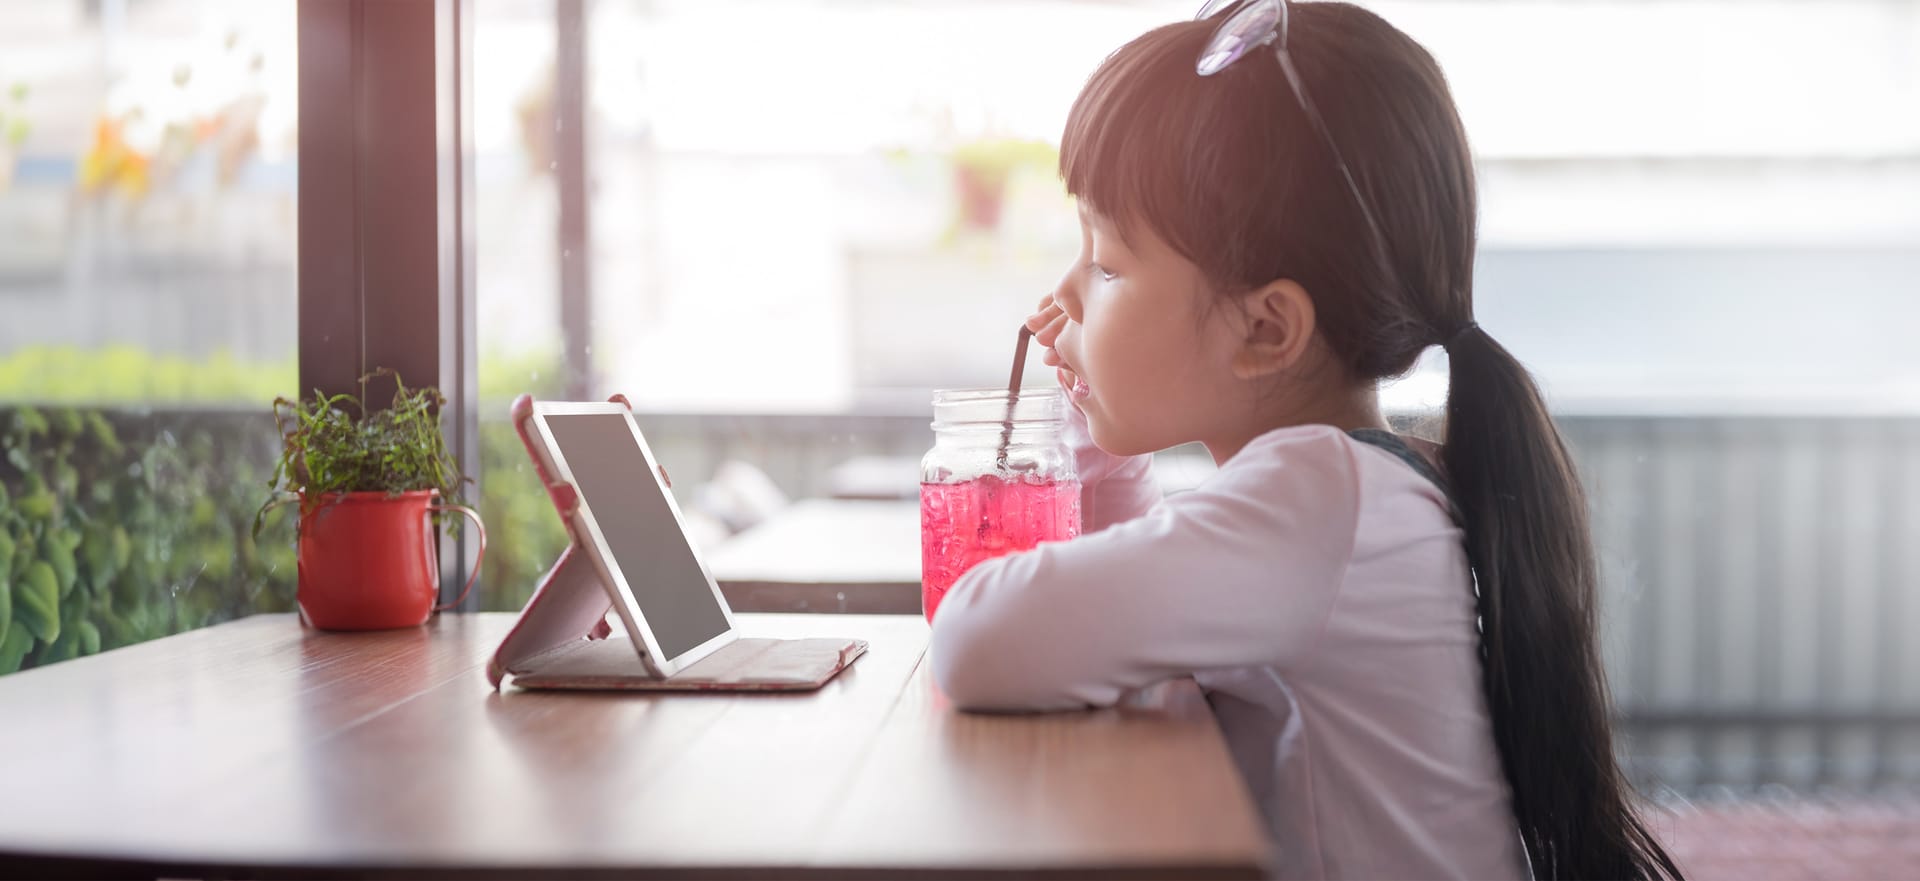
(478, 559)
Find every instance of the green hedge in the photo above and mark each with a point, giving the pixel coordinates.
(125, 523)
(133, 377)
(120, 526)
(117, 527)
(523, 533)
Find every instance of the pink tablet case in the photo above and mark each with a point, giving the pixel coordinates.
(561, 638)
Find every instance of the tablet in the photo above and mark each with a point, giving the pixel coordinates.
(631, 529)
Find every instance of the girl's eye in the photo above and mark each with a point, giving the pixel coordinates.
(1105, 274)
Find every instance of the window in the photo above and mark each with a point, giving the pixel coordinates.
(147, 316)
(784, 257)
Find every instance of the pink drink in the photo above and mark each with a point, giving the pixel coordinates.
(962, 524)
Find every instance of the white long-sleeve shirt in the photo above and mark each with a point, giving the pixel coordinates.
(1317, 588)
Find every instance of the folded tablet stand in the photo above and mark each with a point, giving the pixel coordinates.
(561, 637)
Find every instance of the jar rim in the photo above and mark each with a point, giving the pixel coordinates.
(974, 395)
(956, 408)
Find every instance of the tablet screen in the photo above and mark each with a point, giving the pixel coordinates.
(645, 539)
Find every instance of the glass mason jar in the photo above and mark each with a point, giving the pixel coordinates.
(997, 481)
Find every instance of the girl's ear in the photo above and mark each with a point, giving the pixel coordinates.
(1276, 324)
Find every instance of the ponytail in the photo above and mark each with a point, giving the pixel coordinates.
(1536, 581)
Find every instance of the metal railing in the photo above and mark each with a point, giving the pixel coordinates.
(1758, 581)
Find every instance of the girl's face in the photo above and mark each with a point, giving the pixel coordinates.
(1139, 348)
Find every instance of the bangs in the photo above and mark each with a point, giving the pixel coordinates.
(1152, 145)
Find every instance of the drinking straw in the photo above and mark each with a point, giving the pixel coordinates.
(1013, 393)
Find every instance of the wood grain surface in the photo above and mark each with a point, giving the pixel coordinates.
(260, 749)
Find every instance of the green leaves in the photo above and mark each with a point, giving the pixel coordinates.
(24, 550)
(325, 449)
(105, 553)
(130, 376)
(101, 432)
(37, 506)
(60, 544)
(28, 422)
(15, 642)
(66, 421)
(6, 582)
(37, 602)
(108, 539)
(121, 548)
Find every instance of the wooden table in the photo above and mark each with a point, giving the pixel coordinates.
(258, 749)
(825, 555)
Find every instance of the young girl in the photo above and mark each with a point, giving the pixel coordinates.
(1277, 211)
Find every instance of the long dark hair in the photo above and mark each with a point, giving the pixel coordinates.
(1231, 174)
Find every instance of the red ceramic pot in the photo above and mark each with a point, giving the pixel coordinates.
(367, 560)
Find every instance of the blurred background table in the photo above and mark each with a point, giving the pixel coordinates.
(825, 555)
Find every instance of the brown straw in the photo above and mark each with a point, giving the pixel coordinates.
(1013, 392)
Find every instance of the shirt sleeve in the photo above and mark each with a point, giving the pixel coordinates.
(1113, 489)
(1241, 571)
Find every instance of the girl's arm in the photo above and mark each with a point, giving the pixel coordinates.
(1113, 489)
(1240, 572)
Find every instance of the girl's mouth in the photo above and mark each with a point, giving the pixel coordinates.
(1077, 389)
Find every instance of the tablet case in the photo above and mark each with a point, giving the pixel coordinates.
(561, 639)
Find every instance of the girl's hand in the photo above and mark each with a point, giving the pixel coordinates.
(1112, 488)
(1046, 325)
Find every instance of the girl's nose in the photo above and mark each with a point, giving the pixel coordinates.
(1067, 294)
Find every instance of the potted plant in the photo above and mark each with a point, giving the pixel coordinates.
(372, 489)
(981, 170)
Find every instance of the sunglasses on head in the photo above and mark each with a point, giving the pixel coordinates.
(1257, 24)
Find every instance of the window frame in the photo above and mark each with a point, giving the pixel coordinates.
(386, 193)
